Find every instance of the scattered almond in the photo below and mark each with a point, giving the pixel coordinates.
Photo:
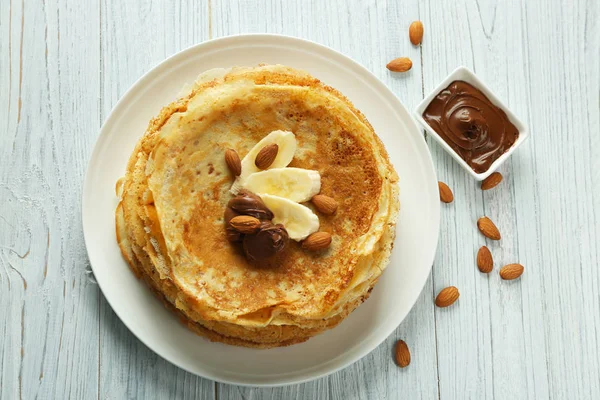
(233, 162)
(266, 156)
(447, 296)
(487, 227)
(415, 32)
(401, 64)
(511, 271)
(245, 224)
(402, 354)
(485, 262)
(491, 181)
(325, 204)
(317, 241)
(446, 194)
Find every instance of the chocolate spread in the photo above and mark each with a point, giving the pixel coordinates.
(247, 203)
(476, 129)
(268, 240)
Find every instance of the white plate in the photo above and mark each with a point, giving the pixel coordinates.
(363, 330)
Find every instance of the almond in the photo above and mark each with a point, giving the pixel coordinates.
(266, 156)
(485, 262)
(511, 271)
(491, 181)
(402, 354)
(245, 224)
(325, 204)
(415, 32)
(233, 162)
(401, 64)
(446, 194)
(487, 227)
(317, 241)
(447, 296)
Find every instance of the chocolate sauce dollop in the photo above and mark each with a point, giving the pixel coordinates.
(247, 203)
(266, 242)
(269, 240)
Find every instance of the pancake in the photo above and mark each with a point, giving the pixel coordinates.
(170, 219)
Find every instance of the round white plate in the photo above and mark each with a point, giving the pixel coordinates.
(364, 329)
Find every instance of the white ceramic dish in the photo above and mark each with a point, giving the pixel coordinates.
(363, 330)
(465, 74)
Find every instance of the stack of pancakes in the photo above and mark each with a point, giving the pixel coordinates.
(172, 198)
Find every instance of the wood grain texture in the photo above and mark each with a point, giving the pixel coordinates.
(49, 306)
(561, 193)
(64, 65)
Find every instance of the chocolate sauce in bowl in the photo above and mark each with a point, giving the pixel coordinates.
(477, 130)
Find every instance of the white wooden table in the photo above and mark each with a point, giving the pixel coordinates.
(63, 66)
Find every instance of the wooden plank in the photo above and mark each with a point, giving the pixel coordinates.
(49, 324)
(136, 35)
(371, 33)
(480, 344)
(558, 196)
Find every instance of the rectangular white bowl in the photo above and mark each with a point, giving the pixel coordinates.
(466, 75)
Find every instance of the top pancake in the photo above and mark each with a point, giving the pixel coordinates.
(189, 184)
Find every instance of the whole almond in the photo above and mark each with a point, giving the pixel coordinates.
(233, 162)
(446, 194)
(317, 241)
(245, 224)
(447, 296)
(266, 156)
(402, 354)
(401, 64)
(491, 181)
(415, 32)
(511, 271)
(485, 262)
(325, 204)
(487, 227)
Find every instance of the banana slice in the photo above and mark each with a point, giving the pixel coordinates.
(299, 221)
(296, 184)
(287, 147)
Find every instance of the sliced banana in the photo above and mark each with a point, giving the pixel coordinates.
(299, 221)
(286, 141)
(296, 184)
